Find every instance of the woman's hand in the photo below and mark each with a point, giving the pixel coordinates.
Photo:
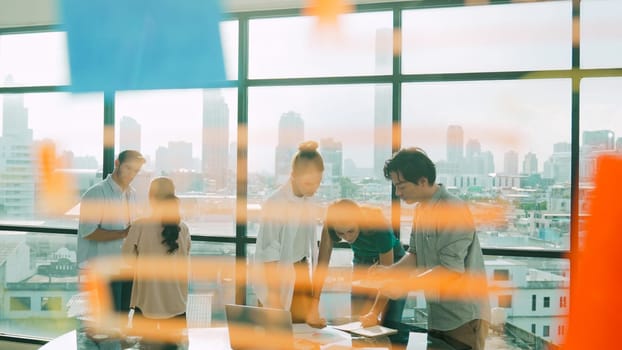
(369, 319)
(314, 320)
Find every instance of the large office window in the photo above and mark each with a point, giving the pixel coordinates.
(601, 132)
(190, 136)
(291, 47)
(601, 34)
(38, 276)
(343, 119)
(505, 147)
(33, 59)
(487, 38)
(39, 187)
(500, 142)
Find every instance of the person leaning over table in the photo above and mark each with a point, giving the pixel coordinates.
(372, 242)
(286, 240)
(443, 245)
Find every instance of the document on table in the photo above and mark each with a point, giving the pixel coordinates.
(373, 331)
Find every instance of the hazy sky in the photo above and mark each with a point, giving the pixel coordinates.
(501, 37)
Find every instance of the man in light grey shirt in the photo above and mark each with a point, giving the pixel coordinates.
(443, 247)
(107, 209)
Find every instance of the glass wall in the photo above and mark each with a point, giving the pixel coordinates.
(487, 38)
(44, 167)
(504, 145)
(343, 119)
(39, 279)
(190, 136)
(292, 47)
(485, 90)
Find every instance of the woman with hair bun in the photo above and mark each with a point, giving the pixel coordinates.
(161, 235)
(286, 241)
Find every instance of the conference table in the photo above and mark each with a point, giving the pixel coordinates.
(217, 338)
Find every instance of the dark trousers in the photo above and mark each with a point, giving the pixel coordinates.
(472, 333)
(121, 292)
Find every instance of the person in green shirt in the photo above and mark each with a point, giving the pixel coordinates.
(372, 241)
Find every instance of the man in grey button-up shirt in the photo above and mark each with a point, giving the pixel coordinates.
(107, 208)
(443, 246)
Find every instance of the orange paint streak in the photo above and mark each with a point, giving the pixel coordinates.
(595, 316)
(327, 11)
(57, 192)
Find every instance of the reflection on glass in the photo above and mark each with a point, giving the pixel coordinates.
(295, 47)
(22, 62)
(30, 179)
(190, 136)
(351, 123)
(513, 37)
(503, 146)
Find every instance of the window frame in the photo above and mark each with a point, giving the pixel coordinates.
(396, 79)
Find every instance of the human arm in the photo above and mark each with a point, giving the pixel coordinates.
(267, 257)
(326, 249)
(450, 239)
(378, 308)
(93, 208)
(433, 278)
(129, 249)
(102, 235)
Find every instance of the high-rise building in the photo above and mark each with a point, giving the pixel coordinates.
(560, 147)
(619, 144)
(557, 167)
(530, 164)
(291, 134)
(510, 163)
(180, 153)
(215, 148)
(382, 100)
(473, 148)
(129, 134)
(162, 161)
(455, 144)
(17, 181)
(600, 140)
(488, 162)
(332, 152)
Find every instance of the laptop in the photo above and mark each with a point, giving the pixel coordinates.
(259, 328)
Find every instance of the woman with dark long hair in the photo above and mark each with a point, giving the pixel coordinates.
(161, 243)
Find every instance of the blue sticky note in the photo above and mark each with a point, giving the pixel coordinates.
(143, 44)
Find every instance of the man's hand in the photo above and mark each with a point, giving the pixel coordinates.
(369, 319)
(314, 320)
